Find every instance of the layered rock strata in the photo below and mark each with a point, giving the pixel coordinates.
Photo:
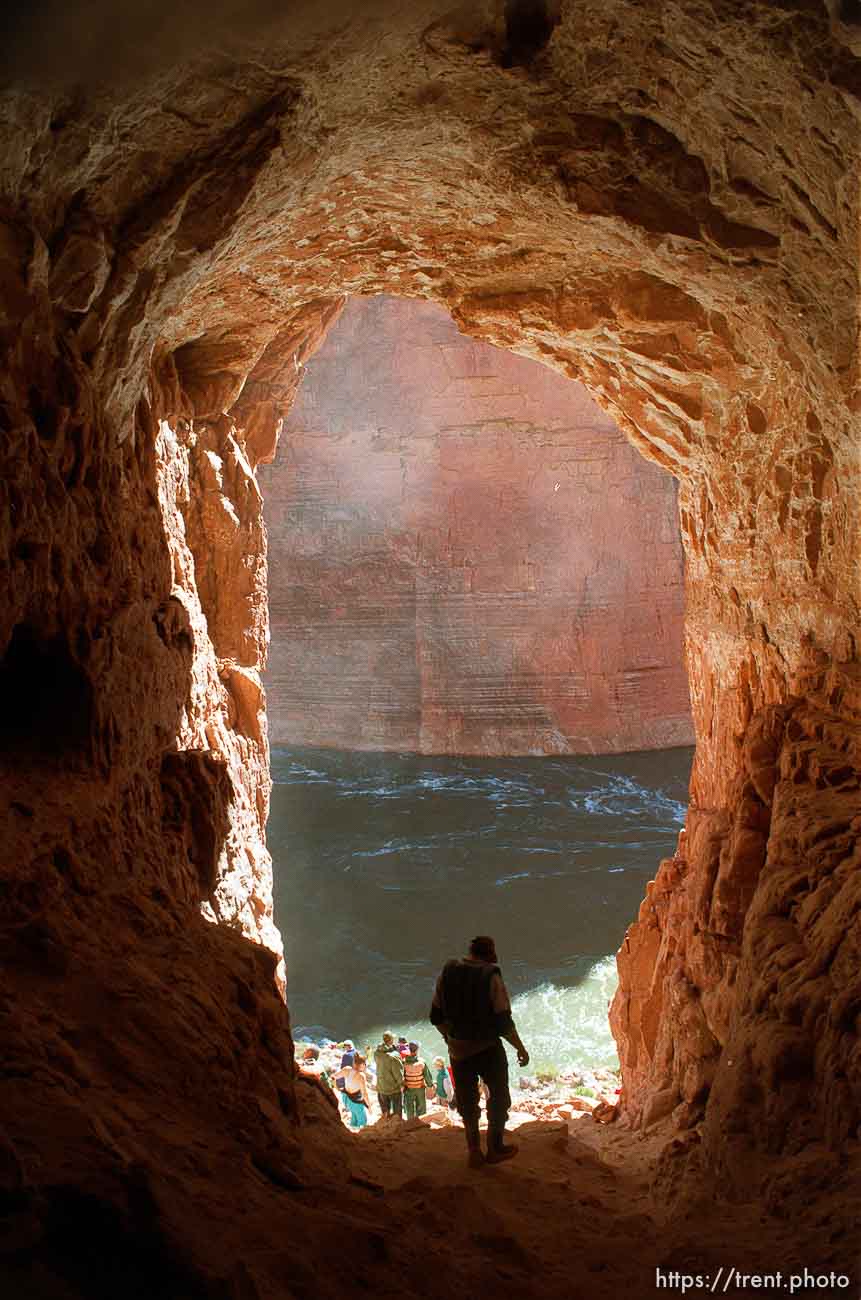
(466, 556)
(659, 201)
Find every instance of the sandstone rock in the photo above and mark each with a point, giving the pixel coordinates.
(80, 272)
(660, 202)
(660, 1105)
(605, 1113)
(578, 1104)
(466, 555)
(213, 518)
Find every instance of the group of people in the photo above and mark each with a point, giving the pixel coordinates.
(402, 1079)
(405, 1083)
(472, 1011)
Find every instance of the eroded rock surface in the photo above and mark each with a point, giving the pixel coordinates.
(661, 201)
(213, 517)
(466, 556)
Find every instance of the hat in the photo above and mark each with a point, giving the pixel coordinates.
(348, 1042)
(388, 1035)
(414, 1047)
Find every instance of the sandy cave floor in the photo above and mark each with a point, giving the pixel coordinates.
(584, 1209)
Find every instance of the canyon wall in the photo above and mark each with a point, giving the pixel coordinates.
(659, 201)
(466, 555)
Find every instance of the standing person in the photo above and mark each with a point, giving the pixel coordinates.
(472, 1011)
(355, 1090)
(390, 1077)
(346, 1060)
(403, 1046)
(444, 1085)
(417, 1077)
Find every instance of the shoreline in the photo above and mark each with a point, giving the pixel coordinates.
(563, 1093)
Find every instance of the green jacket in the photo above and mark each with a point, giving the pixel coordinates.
(390, 1070)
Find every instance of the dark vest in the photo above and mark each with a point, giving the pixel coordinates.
(465, 997)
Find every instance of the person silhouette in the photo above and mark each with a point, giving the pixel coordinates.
(472, 1011)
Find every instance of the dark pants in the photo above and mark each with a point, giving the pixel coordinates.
(391, 1103)
(491, 1065)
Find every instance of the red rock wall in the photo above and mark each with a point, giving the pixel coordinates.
(466, 555)
(146, 1054)
(214, 530)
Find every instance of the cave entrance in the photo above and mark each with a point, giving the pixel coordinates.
(477, 699)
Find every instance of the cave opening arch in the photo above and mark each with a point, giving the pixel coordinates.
(466, 558)
(612, 244)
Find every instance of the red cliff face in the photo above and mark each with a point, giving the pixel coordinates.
(466, 554)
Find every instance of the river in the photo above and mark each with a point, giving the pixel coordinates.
(387, 864)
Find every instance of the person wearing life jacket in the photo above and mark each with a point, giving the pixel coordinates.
(417, 1077)
(472, 1011)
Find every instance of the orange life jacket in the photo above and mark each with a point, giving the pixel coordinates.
(414, 1074)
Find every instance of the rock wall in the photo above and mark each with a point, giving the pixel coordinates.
(213, 517)
(146, 1058)
(660, 201)
(466, 555)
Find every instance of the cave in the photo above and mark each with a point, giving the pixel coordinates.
(661, 203)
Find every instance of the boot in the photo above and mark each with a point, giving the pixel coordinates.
(473, 1142)
(497, 1151)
